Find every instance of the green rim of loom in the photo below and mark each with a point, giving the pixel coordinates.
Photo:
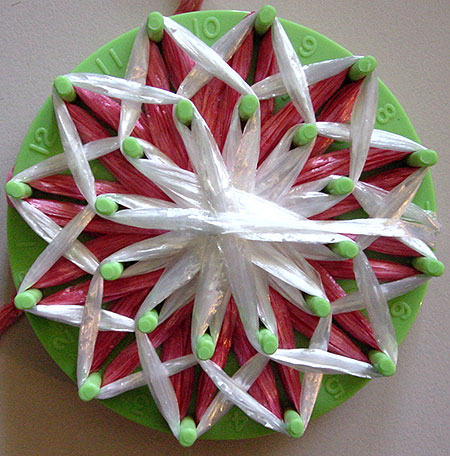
(24, 246)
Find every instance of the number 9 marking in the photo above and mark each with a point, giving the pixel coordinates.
(307, 46)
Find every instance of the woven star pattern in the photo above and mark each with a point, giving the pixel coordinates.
(219, 233)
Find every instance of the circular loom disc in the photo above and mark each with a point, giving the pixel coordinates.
(42, 141)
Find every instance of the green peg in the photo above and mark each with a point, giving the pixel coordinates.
(340, 186)
(132, 148)
(91, 387)
(268, 341)
(111, 270)
(264, 19)
(105, 205)
(205, 347)
(362, 68)
(247, 107)
(320, 306)
(294, 423)
(184, 110)
(188, 432)
(305, 134)
(422, 158)
(346, 249)
(382, 363)
(64, 88)
(428, 265)
(28, 299)
(148, 322)
(18, 189)
(155, 26)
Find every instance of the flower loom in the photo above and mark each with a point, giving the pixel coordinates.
(221, 226)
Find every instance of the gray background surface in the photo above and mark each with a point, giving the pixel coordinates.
(40, 413)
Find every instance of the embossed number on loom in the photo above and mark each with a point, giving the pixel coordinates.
(334, 388)
(308, 46)
(401, 310)
(386, 113)
(209, 28)
(42, 141)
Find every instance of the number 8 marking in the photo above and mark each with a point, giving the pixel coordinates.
(386, 113)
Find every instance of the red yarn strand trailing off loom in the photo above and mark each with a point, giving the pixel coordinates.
(186, 6)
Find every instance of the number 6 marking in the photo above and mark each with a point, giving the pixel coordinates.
(401, 310)
(334, 388)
